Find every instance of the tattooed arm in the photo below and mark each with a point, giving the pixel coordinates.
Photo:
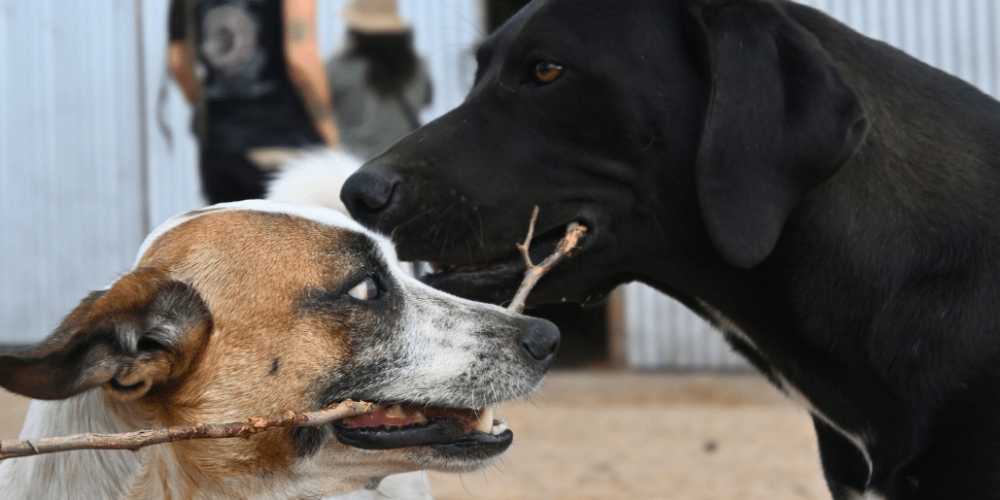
(182, 68)
(180, 56)
(305, 68)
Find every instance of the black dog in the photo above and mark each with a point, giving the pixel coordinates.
(830, 202)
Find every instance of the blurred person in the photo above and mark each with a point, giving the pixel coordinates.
(378, 82)
(252, 70)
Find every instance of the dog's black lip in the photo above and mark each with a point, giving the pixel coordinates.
(437, 431)
(499, 275)
(477, 443)
(444, 435)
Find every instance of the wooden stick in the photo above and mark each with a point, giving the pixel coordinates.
(527, 242)
(11, 448)
(533, 273)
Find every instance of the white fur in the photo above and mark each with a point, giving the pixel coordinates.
(107, 475)
(318, 214)
(868, 495)
(85, 474)
(315, 179)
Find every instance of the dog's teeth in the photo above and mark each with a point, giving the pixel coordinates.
(499, 425)
(395, 411)
(485, 422)
(418, 417)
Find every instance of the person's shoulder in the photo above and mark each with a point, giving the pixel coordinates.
(422, 66)
(344, 69)
(343, 62)
(333, 62)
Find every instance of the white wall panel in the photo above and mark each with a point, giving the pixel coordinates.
(662, 333)
(961, 37)
(69, 156)
(172, 181)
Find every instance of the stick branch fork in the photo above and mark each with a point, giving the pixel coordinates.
(134, 441)
(533, 273)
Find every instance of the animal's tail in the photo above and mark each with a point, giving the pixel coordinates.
(315, 179)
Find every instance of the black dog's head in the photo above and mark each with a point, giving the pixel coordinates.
(682, 133)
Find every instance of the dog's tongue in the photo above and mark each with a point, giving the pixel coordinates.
(392, 416)
(400, 415)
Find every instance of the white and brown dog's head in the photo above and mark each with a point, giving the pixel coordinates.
(256, 307)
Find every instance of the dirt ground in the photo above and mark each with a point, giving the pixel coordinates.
(607, 435)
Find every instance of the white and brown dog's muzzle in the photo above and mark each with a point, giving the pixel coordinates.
(252, 308)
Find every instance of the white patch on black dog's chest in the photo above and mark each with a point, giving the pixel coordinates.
(732, 330)
(867, 495)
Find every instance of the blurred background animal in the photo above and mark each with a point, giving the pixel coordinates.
(378, 82)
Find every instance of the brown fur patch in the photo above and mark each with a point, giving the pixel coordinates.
(128, 300)
(97, 343)
(249, 267)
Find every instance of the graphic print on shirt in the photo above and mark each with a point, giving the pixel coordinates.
(231, 47)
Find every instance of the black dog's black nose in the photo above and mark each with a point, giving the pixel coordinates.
(540, 340)
(367, 193)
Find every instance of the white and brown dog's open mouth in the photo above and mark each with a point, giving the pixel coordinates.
(450, 431)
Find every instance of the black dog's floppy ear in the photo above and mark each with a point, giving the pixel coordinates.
(142, 331)
(781, 120)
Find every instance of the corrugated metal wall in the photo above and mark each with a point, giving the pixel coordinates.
(70, 151)
(94, 153)
(171, 160)
(961, 37)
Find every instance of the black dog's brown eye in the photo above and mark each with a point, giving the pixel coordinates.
(367, 289)
(547, 72)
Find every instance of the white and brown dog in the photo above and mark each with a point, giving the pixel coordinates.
(256, 307)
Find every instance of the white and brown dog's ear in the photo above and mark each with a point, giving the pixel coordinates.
(145, 330)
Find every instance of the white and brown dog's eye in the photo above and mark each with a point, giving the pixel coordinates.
(367, 289)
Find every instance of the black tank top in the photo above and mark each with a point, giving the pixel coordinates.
(250, 100)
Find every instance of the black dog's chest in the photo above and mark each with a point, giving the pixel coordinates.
(745, 346)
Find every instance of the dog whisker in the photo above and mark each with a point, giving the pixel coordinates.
(437, 224)
(413, 219)
(482, 232)
(651, 141)
(501, 84)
